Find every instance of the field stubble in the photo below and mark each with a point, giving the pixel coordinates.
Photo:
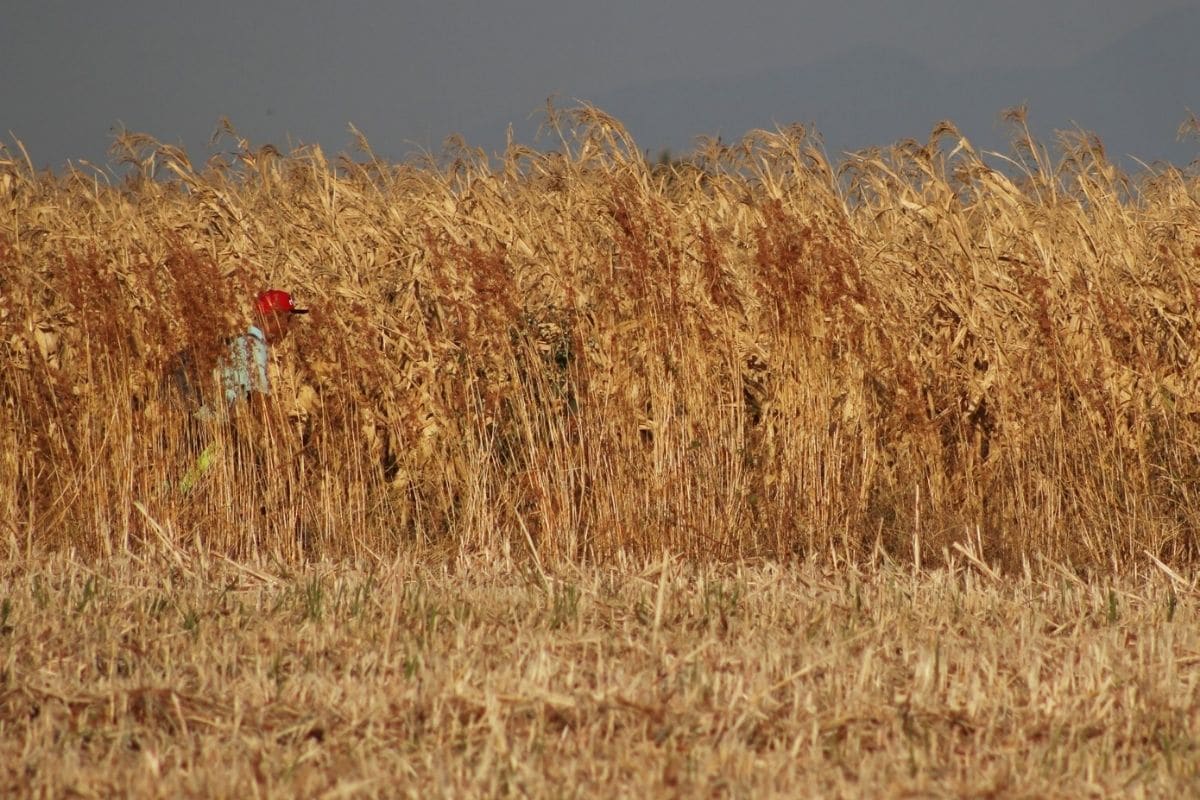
(487, 678)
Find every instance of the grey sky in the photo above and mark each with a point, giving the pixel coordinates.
(408, 74)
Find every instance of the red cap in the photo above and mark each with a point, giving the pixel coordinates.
(276, 300)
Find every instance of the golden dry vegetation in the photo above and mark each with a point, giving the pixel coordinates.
(751, 353)
(915, 432)
(483, 679)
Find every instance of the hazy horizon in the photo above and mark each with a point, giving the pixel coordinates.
(862, 73)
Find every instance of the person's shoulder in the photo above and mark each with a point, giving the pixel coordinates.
(253, 337)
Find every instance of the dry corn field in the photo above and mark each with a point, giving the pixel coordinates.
(750, 473)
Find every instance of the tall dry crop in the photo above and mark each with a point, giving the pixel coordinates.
(571, 352)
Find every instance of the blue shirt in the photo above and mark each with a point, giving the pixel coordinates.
(244, 368)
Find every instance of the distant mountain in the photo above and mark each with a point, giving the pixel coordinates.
(1133, 93)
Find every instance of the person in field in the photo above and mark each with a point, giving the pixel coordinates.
(241, 371)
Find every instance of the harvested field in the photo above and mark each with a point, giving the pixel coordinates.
(485, 679)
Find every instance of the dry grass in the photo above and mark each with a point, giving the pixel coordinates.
(752, 354)
(483, 679)
(947, 410)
